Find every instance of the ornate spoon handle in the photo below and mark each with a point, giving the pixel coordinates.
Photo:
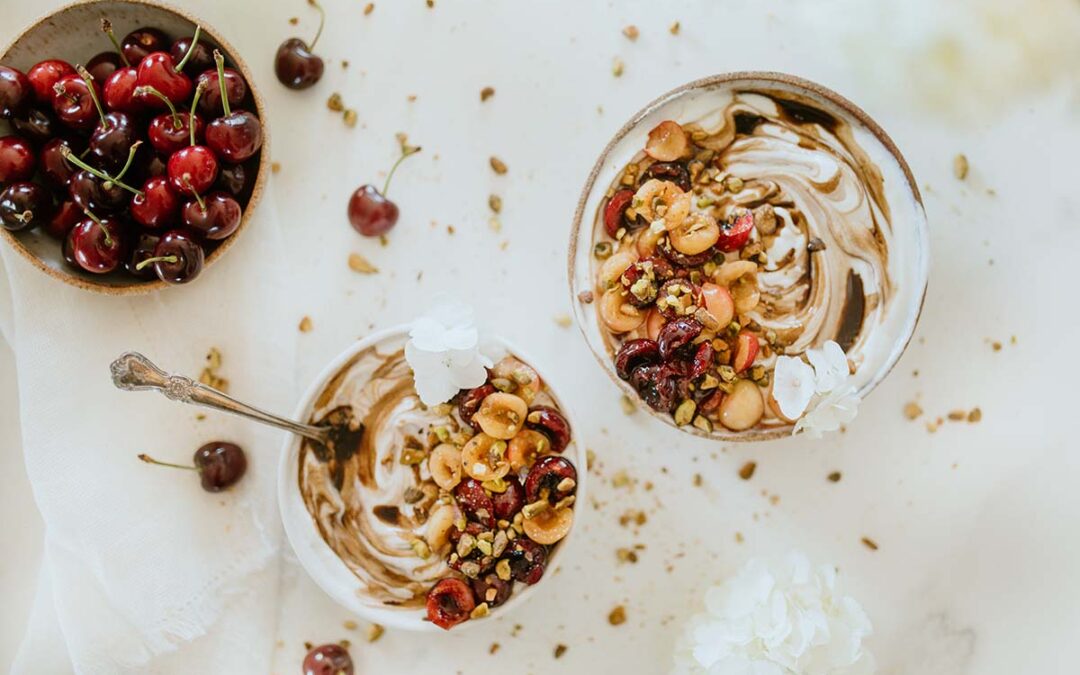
(134, 372)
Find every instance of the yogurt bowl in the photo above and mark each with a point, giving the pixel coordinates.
(422, 496)
(749, 251)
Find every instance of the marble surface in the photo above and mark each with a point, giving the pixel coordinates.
(974, 522)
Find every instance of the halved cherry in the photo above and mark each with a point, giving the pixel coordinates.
(552, 424)
(508, 502)
(676, 334)
(615, 211)
(475, 502)
(746, 349)
(634, 353)
(491, 589)
(469, 402)
(449, 603)
(528, 560)
(735, 233)
(552, 475)
(667, 142)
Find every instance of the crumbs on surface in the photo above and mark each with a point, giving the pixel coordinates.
(209, 375)
(358, 263)
(870, 543)
(486, 93)
(495, 203)
(747, 470)
(275, 167)
(912, 410)
(560, 649)
(369, 8)
(960, 166)
(631, 32)
(563, 320)
(374, 632)
(675, 28)
(497, 165)
(834, 477)
(617, 67)
(493, 648)
(305, 325)
(586, 297)
(628, 405)
(617, 616)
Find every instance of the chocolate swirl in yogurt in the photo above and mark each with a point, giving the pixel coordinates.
(371, 504)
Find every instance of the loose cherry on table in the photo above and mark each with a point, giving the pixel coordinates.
(328, 659)
(36, 125)
(15, 92)
(44, 75)
(160, 71)
(178, 257)
(141, 42)
(157, 204)
(220, 465)
(295, 65)
(17, 160)
(236, 136)
(216, 216)
(74, 102)
(24, 205)
(170, 131)
(97, 244)
(370, 212)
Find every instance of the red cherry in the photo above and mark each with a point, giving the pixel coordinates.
(119, 91)
(178, 257)
(15, 92)
(614, 211)
(170, 133)
(735, 234)
(66, 216)
(44, 75)
(140, 43)
(234, 85)
(235, 137)
(370, 213)
(216, 216)
(449, 603)
(17, 160)
(192, 170)
(73, 102)
(97, 245)
(329, 659)
(160, 72)
(156, 206)
(103, 65)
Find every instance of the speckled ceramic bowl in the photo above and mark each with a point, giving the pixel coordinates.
(73, 33)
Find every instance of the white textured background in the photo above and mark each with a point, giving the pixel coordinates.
(976, 571)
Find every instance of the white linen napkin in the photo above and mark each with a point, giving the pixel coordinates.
(139, 559)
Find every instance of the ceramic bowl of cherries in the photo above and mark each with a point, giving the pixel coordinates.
(131, 146)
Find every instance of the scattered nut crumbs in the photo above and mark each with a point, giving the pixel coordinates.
(631, 32)
(621, 479)
(275, 167)
(747, 470)
(209, 375)
(996, 346)
(431, 4)
(617, 67)
(590, 459)
(617, 616)
(493, 648)
(675, 27)
(739, 538)
(834, 477)
(628, 406)
(626, 555)
(495, 224)
(374, 632)
(586, 297)
(560, 649)
(495, 203)
(358, 263)
(335, 103)
(960, 166)
(975, 415)
(350, 624)
(293, 20)
(912, 410)
(497, 165)
(486, 93)
(350, 118)
(870, 543)
(563, 320)
(957, 415)
(369, 8)
(344, 64)
(305, 324)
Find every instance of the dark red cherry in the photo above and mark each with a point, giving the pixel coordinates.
(552, 475)
(170, 133)
(656, 386)
(54, 167)
(491, 589)
(235, 137)
(155, 166)
(677, 333)
(15, 92)
(329, 659)
(200, 59)
(178, 257)
(634, 353)
(295, 66)
(118, 93)
(192, 170)
(735, 232)
(158, 70)
(449, 603)
(217, 217)
(73, 102)
(157, 205)
(643, 279)
(91, 193)
(64, 217)
(25, 205)
(528, 560)
(475, 502)
(17, 159)
(469, 401)
(370, 213)
(552, 424)
(508, 502)
(615, 211)
(111, 141)
(44, 75)
(141, 42)
(232, 178)
(221, 464)
(97, 245)
(673, 172)
(36, 126)
(210, 103)
(103, 65)
(144, 248)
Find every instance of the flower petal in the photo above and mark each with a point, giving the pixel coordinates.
(793, 386)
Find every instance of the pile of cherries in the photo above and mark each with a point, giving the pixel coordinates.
(140, 161)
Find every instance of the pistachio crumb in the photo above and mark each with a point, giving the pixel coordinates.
(631, 32)
(374, 632)
(560, 649)
(975, 415)
(431, 4)
(912, 410)
(493, 648)
(834, 477)
(275, 167)
(369, 8)
(960, 166)
(617, 616)
(495, 203)
(675, 28)
(698, 480)
(870, 543)
(957, 415)
(349, 624)
(497, 165)
(480, 611)
(305, 324)
(563, 320)
(626, 555)
(747, 470)
(350, 118)
(486, 93)
(617, 67)
(335, 103)
(358, 263)
(628, 405)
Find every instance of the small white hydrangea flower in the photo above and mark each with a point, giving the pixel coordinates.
(793, 385)
(830, 366)
(835, 410)
(444, 353)
(777, 617)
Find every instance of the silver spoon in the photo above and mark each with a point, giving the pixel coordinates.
(134, 372)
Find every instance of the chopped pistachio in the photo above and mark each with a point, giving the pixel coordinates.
(497, 165)
(709, 382)
(602, 250)
(684, 414)
(335, 103)
(480, 611)
(483, 546)
(358, 263)
(502, 569)
(734, 184)
(421, 548)
(727, 373)
(411, 455)
(960, 166)
(350, 117)
(486, 93)
(502, 384)
(530, 511)
(495, 203)
(617, 67)
(703, 423)
(374, 632)
(675, 28)
(628, 405)
(631, 32)
(495, 485)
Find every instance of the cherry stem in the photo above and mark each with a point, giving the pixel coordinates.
(406, 152)
(144, 90)
(89, 80)
(60, 90)
(147, 458)
(194, 102)
(322, 20)
(70, 156)
(190, 50)
(198, 199)
(101, 226)
(106, 27)
(130, 158)
(219, 60)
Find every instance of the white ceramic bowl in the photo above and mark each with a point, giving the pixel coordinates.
(909, 256)
(330, 572)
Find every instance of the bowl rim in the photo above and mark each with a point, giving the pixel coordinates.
(751, 76)
(145, 287)
(300, 535)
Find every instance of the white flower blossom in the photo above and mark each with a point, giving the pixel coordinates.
(444, 354)
(830, 366)
(830, 413)
(777, 617)
(793, 385)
